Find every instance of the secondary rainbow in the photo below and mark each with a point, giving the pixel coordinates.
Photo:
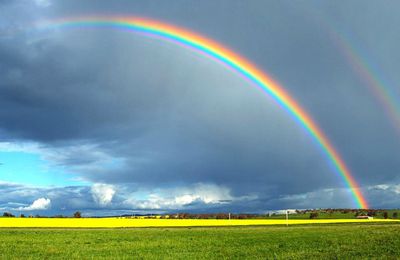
(359, 64)
(233, 61)
(358, 60)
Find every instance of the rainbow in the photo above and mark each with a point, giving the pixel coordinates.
(379, 90)
(358, 62)
(233, 61)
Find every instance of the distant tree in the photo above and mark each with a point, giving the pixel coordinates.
(395, 215)
(183, 215)
(221, 216)
(313, 215)
(22, 216)
(8, 215)
(385, 215)
(77, 214)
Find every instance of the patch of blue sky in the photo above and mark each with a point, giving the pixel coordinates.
(31, 169)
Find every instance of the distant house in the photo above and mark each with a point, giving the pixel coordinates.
(364, 217)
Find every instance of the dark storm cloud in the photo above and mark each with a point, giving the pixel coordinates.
(170, 118)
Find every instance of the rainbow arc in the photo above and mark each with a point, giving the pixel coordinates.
(235, 62)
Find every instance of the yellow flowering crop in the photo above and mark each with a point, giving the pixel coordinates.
(127, 222)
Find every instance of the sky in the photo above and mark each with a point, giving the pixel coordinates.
(108, 122)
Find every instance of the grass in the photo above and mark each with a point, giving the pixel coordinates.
(344, 241)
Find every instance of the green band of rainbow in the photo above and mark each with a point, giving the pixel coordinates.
(235, 62)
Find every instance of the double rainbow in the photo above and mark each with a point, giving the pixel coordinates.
(233, 61)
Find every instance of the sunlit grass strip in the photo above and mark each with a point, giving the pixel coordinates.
(122, 222)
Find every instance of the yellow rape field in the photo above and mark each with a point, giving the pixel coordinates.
(126, 222)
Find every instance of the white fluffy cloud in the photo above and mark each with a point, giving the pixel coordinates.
(395, 188)
(102, 193)
(201, 193)
(39, 204)
(206, 193)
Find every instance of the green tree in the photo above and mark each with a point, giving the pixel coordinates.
(77, 214)
(385, 215)
(8, 215)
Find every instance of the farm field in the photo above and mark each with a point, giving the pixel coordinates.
(128, 222)
(323, 241)
(336, 214)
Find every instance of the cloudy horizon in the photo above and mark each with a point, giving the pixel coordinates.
(107, 121)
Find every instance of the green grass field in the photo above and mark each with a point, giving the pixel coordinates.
(296, 242)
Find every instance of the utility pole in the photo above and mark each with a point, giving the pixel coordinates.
(287, 218)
